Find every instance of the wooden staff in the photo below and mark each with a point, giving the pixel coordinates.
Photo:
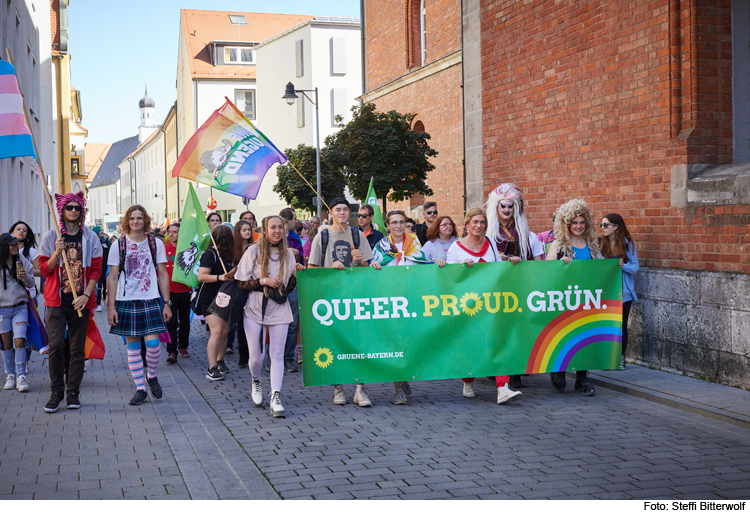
(52, 210)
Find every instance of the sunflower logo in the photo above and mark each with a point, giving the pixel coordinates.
(323, 357)
(475, 301)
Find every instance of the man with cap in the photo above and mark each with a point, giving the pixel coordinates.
(84, 252)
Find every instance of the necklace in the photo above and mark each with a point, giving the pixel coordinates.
(270, 256)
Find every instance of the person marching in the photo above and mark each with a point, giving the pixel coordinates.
(213, 220)
(508, 229)
(575, 239)
(101, 287)
(243, 239)
(27, 247)
(472, 248)
(266, 270)
(617, 243)
(180, 297)
(138, 272)
(430, 214)
(332, 249)
(211, 273)
(17, 277)
(440, 237)
(364, 219)
(84, 253)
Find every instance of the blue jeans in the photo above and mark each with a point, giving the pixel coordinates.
(15, 319)
(291, 336)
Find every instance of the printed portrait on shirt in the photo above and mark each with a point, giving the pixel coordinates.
(342, 252)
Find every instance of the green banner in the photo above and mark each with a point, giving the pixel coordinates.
(192, 242)
(423, 322)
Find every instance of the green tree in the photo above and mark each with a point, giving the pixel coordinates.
(382, 146)
(295, 191)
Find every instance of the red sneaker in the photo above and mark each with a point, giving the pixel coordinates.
(184, 353)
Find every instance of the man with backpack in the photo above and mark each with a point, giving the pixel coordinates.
(138, 273)
(332, 248)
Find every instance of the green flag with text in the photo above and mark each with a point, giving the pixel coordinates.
(372, 201)
(192, 242)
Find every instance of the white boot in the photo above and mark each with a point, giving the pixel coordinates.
(257, 393)
(469, 389)
(277, 410)
(506, 395)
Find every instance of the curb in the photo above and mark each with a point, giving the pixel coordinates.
(672, 401)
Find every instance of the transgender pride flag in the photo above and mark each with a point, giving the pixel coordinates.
(15, 136)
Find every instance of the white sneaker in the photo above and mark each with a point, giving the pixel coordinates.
(505, 395)
(277, 410)
(98, 308)
(339, 396)
(257, 393)
(10, 382)
(22, 384)
(469, 389)
(361, 398)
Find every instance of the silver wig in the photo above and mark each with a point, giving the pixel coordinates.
(508, 191)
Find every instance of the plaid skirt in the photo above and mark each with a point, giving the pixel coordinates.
(139, 318)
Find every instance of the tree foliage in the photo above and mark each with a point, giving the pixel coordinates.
(295, 191)
(382, 146)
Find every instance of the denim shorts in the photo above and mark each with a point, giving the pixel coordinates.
(15, 319)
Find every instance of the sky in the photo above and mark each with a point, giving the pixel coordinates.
(116, 46)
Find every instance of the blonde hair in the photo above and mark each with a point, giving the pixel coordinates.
(264, 248)
(564, 216)
(471, 213)
(394, 212)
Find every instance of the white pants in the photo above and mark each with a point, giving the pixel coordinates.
(276, 342)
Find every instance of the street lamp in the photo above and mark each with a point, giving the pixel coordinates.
(291, 95)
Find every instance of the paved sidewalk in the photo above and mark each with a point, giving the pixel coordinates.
(646, 434)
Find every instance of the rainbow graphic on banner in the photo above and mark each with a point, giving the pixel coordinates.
(571, 332)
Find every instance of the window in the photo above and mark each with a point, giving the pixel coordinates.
(245, 101)
(238, 20)
(238, 55)
(423, 32)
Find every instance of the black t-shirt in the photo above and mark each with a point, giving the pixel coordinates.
(210, 289)
(421, 231)
(74, 251)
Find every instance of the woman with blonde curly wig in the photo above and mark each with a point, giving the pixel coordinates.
(265, 270)
(575, 234)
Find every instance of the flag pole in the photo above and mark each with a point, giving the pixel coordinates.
(46, 191)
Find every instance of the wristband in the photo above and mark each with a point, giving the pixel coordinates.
(86, 294)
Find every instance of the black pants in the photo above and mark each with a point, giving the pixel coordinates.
(101, 287)
(181, 315)
(58, 317)
(625, 315)
(244, 351)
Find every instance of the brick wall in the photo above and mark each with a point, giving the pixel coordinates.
(54, 16)
(393, 39)
(581, 100)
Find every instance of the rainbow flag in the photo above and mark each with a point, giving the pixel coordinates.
(15, 136)
(228, 153)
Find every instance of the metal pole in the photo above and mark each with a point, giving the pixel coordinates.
(317, 141)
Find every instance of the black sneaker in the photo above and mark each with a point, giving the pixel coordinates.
(583, 386)
(213, 374)
(515, 382)
(72, 401)
(153, 384)
(290, 366)
(172, 357)
(54, 403)
(558, 380)
(242, 364)
(139, 397)
(222, 367)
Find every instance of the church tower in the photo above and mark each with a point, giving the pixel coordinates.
(146, 108)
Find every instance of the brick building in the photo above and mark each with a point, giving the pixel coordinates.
(640, 108)
(413, 65)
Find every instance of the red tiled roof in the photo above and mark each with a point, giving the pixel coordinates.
(203, 27)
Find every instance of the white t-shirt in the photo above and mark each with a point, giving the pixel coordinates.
(139, 270)
(459, 253)
(536, 245)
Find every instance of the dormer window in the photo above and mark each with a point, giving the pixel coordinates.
(238, 55)
(238, 20)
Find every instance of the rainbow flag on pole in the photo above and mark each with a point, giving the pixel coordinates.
(228, 153)
(15, 136)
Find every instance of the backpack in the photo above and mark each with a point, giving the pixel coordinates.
(325, 236)
(123, 250)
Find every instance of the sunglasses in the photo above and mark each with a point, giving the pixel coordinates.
(73, 208)
(430, 212)
(363, 216)
(506, 206)
(605, 225)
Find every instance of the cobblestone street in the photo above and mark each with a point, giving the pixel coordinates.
(206, 440)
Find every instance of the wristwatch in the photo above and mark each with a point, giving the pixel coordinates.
(168, 303)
